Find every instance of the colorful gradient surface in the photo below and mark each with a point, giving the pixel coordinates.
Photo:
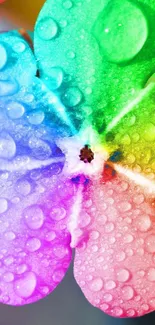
(96, 87)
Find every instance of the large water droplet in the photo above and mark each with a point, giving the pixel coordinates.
(47, 29)
(34, 217)
(3, 205)
(72, 97)
(25, 286)
(10, 235)
(8, 87)
(150, 243)
(33, 244)
(54, 78)
(143, 223)
(36, 117)
(15, 110)
(23, 187)
(109, 285)
(121, 23)
(96, 285)
(151, 274)
(123, 275)
(3, 56)
(127, 293)
(149, 132)
(8, 277)
(7, 146)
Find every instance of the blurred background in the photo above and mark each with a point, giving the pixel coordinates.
(66, 305)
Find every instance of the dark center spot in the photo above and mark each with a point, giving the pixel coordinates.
(86, 154)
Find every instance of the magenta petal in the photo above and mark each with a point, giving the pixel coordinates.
(115, 266)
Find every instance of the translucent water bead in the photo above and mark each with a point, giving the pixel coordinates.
(121, 30)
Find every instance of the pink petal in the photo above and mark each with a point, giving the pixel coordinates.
(115, 266)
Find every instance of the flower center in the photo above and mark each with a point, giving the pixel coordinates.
(86, 154)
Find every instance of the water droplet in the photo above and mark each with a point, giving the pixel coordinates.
(125, 206)
(10, 235)
(104, 307)
(23, 187)
(34, 217)
(151, 274)
(96, 285)
(8, 277)
(120, 256)
(128, 238)
(127, 293)
(67, 4)
(54, 78)
(7, 146)
(72, 97)
(25, 287)
(60, 251)
(109, 285)
(8, 261)
(131, 312)
(19, 47)
(3, 57)
(71, 55)
(94, 234)
(150, 243)
(15, 110)
(51, 235)
(20, 269)
(149, 132)
(117, 311)
(58, 275)
(47, 29)
(107, 297)
(3, 205)
(123, 275)
(121, 23)
(36, 117)
(33, 244)
(143, 223)
(58, 213)
(109, 227)
(152, 302)
(8, 87)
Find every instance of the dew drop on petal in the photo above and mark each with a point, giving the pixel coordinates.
(109, 285)
(7, 146)
(96, 285)
(34, 217)
(47, 29)
(150, 243)
(3, 56)
(72, 97)
(151, 274)
(25, 286)
(33, 244)
(3, 205)
(15, 110)
(127, 293)
(123, 275)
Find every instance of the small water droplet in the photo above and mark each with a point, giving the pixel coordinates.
(104, 307)
(10, 235)
(107, 297)
(34, 217)
(58, 275)
(58, 213)
(25, 286)
(23, 187)
(109, 285)
(96, 285)
(94, 234)
(72, 97)
(120, 256)
(109, 227)
(3, 205)
(67, 4)
(8, 277)
(47, 29)
(71, 55)
(15, 110)
(36, 117)
(19, 47)
(33, 244)
(151, 274)
(128, 238)
(123, 275)
(54, 78)
(7, 146)
(131, 312)
(20, 269)
(143, 223)
(51, 235)
(60, 251)
(127, 293)
(150, 243)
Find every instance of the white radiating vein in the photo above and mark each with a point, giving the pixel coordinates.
(137, 178)
(27, 164)
(74, 218)
(130, 106)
